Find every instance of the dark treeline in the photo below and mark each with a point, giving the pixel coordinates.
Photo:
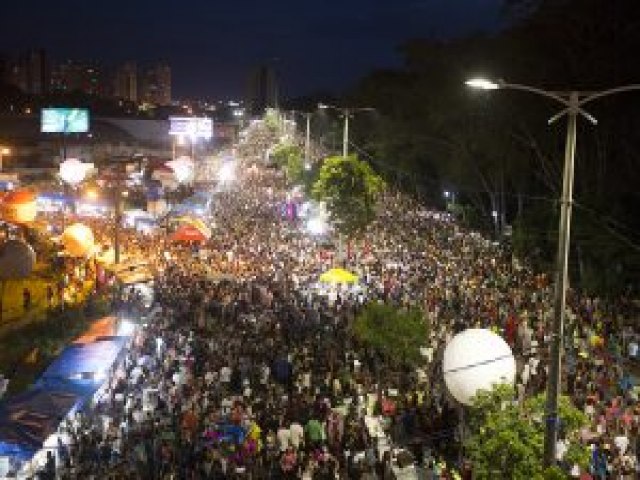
(495, 149)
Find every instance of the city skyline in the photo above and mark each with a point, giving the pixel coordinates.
(35, 73)
(213, 49)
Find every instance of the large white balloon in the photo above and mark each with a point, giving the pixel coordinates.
(474, 360)
(73, 171)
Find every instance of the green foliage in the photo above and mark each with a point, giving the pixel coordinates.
(349, 187)
(552, 473)
(272, 120)
(496, 150)
(289, 157)
(507, 440)
(397, 333)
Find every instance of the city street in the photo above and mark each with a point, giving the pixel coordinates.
(314, 241)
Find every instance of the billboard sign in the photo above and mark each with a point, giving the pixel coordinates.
(194, 127)
(64, 120)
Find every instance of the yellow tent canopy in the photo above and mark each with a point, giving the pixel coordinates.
(338, 275)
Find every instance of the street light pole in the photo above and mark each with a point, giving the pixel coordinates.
(554, 386)
(116, 228)
(573, 102)
(345, 133)
(347, 112)
(307, 141)
(117, 194)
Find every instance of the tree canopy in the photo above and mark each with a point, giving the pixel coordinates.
(397, 333)
(288, 156)
(507, 440)
(350, 188)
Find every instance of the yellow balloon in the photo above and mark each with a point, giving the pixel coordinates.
(78, 240)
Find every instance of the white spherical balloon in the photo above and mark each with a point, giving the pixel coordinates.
(73, 171)
(474, 360)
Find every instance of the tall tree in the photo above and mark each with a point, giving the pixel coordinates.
(350, 188)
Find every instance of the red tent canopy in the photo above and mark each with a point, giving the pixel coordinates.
(188, 233)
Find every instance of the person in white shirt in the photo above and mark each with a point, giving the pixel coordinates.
(622, 442)
(284, 438)
(561, 449)
(296, 434)
(225, 374)
(264, 378)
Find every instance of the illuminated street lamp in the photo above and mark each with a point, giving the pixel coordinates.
(482, 84)
(573, 103)
(346, 112)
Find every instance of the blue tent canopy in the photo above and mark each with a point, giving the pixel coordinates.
(27, 420)
(88, 361)
(84, 389)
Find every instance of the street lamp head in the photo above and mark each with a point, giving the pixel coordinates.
(5, 151)
(322, 106)
(482, 84)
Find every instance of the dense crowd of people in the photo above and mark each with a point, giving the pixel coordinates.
(246, 369)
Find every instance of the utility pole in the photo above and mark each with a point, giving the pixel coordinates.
(307, 141)
(117, 192)
(345, 133)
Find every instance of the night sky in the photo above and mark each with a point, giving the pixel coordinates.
(212, 45)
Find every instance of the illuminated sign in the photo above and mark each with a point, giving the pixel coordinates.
(65, 120)
(194, 127)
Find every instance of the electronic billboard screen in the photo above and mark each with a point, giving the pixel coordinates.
(195, 127)
(65, 120)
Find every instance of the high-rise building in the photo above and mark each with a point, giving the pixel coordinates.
(29, 72)
(73, 76)
(262, 90)
(37, 72)
(125, 85)
(156, 85)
